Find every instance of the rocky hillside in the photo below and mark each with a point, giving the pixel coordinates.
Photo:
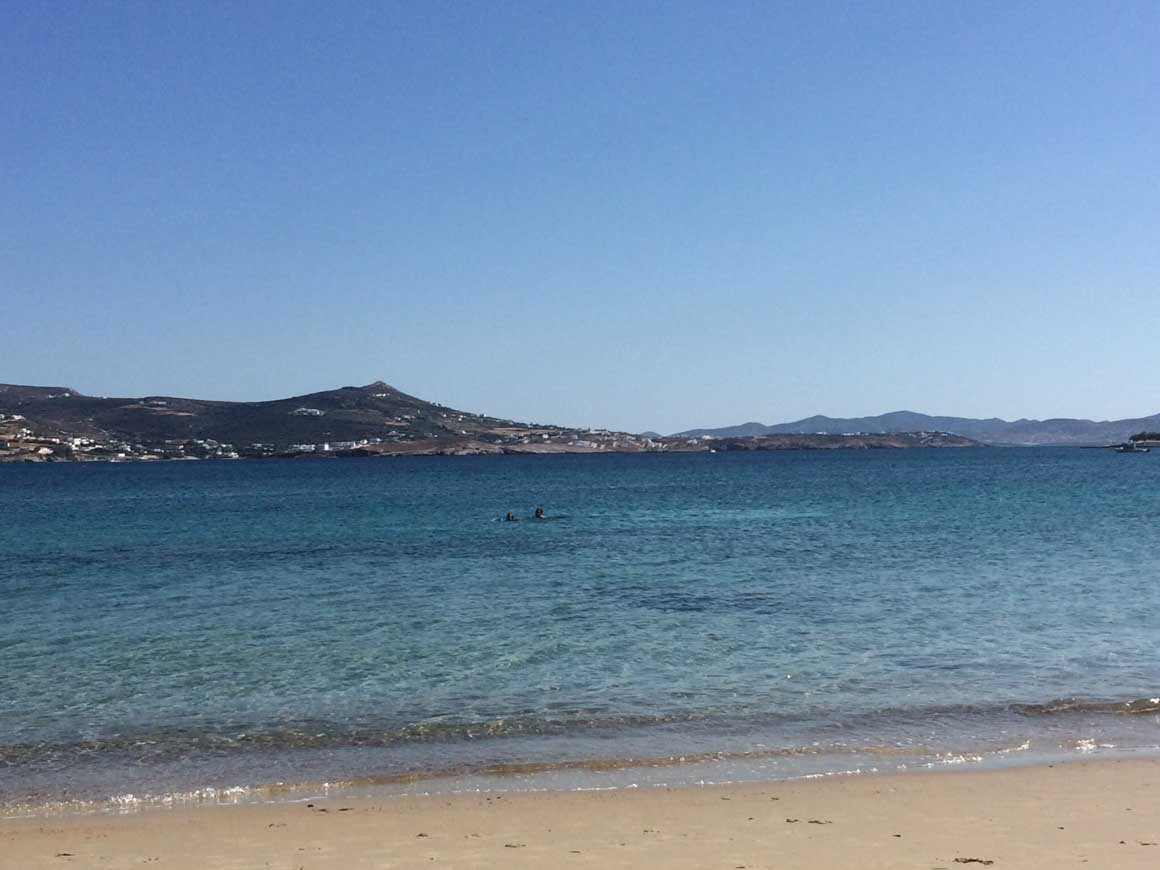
(347, 414)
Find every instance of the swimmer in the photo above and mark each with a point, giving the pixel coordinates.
(510, 518)
(540, 513)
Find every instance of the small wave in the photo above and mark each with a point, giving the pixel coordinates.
(128, 802)
(1086, 745)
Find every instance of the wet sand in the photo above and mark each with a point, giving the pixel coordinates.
(1103, 814)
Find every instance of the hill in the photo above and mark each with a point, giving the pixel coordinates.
(345, 414)
(1060, 431)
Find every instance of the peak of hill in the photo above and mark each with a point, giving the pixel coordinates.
(992, 430)
(19, 392)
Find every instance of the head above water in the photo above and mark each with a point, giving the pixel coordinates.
(539, 513)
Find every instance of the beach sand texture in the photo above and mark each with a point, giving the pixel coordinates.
(1102, 814)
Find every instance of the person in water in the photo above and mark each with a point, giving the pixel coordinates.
(510, 518)
(539, 513)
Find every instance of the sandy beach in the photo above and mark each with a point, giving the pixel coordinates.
(1102, 814)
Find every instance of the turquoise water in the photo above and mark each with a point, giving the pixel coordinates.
(173, 628)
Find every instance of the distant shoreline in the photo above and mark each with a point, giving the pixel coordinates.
(45, 450)
(59, 423)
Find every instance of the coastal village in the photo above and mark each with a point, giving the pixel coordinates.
(19, 443)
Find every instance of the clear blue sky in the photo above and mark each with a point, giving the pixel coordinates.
(637, 215)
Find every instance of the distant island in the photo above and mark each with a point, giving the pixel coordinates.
(48, 424)
(992, 431)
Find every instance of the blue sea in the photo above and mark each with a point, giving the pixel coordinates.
(192, 632)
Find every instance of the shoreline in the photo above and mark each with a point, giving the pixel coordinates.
(58, 783)
(740, 768)
(473, 447)
(1104, 813)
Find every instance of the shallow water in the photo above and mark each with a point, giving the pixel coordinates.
(181, 626)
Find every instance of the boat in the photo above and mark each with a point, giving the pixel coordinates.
(1132, 448)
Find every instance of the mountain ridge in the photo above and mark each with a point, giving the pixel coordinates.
(1062, 431)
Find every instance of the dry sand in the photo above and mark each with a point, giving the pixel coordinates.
(1102, 814)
